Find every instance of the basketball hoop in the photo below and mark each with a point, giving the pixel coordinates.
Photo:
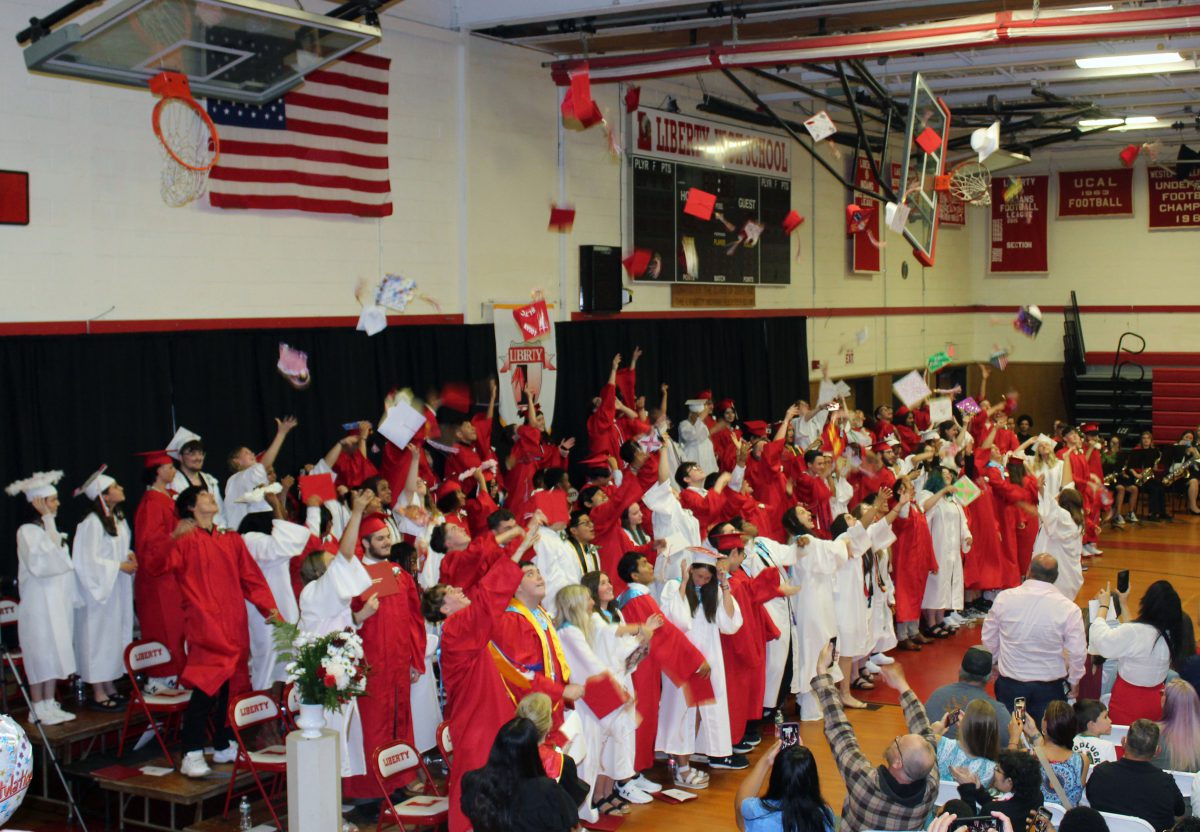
(969, 182)
(189, 140)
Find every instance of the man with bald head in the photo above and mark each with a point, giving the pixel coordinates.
(900, 793)
(1036, 635)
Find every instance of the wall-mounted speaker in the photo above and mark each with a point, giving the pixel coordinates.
(599, 279)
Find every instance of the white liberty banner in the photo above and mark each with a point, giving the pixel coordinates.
(524, 365)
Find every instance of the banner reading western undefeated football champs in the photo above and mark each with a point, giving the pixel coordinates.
(524, 365)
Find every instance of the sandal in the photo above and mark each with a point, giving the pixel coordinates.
(609, 805)
(863, 683)
(107, 706)
(690, 778)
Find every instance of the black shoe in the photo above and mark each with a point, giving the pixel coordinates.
(742, 748)
(736, 762)
(752, 736)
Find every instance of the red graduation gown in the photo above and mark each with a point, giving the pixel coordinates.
(765, 475)
(477, 704)
(465, 568)
(217, 575)
(982, 567)
(706, 508)
(912, 561)
(866, 483)
(814, 493)
(604, 435)
(515, 637)
(724, 448)
(353, 468)
(672, 654)
(155, 590)
(1007, 495)
(606, 517)
(745, 651)
(393, 641)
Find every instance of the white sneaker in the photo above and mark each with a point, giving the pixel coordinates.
(954, 618)
(226, 755)
(1090, 549)
(633, 794)
(42, 713)
(1118, 521)
(57, 709)
(644, 784)
(871, 667)
(1132, 518)
(882, 658)
(193, 765)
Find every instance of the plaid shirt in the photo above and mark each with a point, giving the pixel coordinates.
(869, 804)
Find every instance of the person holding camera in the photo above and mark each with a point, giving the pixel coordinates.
(792, 802)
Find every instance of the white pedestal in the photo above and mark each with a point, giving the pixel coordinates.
(314, 782)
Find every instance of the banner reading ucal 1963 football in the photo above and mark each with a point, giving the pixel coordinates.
(524, 365)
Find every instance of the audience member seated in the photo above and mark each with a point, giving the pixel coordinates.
(1187, 662)
(512, 792)
(1039, 663)
(973, 677)
(1092, 724)
(1145, 648)
(1017, 777)
(1133, 785)
(1054, 743)
(1083, 819)
(792, 802)
(978, 743)
(898, 794)
(1179, 741)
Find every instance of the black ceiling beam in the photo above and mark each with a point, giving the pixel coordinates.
(884, 183)
(809, 91)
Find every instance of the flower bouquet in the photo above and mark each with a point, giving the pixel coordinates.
(327, 670)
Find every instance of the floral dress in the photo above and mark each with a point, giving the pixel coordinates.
(1070, 775)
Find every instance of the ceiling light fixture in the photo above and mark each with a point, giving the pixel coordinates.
(1101, 122)
(1145, 59)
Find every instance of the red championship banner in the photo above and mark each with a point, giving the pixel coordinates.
(952, 212)
(1019, 209)
(1095, 193)
(1174, 203)
(865, 256)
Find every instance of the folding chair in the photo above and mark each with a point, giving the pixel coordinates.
(1125, 823)
(423, 810)
(444, 744)
(1185, 780)
(141, 656)
(246, 711)
(1056, 810)
(9, 608)
(289, 706)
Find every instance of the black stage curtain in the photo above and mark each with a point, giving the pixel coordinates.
(73, 402)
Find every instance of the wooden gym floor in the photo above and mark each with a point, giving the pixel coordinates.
(1151, 552)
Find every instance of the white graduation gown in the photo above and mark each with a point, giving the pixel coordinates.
(761, 554)
(426, 711)
(951, 539)
(556, 560)
(325, 608)
(104, 621)
(181, 482)
(674, 524)
(616, 758)
(239, 484)
(46, 618)
(850, 599)
(697, 446)
(1059, 536)
(678, 732)
(816, 564)
(273, 552)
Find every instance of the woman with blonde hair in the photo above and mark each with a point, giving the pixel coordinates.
(592, 649)
(1179, 743)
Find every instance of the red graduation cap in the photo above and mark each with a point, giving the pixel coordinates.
(457, 396)
(929, 140)
(1129, 154)
(318, 485)
(371, 524)
(153, 459)
(725, 404)
(857, 217)
(579, 111)
(703, 395)
(637, 262)
(1089, 427)
(700, 203)
(597, 461)
(553, 504)
(792, 221)
(636, 427)
(447, 487)
(561, 219)
(726, 543)
(633, 97)
(881, 446)
(755, 427)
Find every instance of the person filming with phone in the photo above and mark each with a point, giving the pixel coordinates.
(792, 802)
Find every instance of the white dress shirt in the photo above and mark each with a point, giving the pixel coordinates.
(1036, 634)
(1144, 654)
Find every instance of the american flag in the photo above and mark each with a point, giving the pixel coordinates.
(322, 147)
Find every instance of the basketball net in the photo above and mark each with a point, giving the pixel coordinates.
(969, 182)
(187, 138)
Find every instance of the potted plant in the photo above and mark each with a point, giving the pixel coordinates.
(327, 670)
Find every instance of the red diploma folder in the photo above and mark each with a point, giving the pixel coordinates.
(604, 695)
(318, 485)
(383, 580)
(553, 504)
(698, 691)
(117, 772)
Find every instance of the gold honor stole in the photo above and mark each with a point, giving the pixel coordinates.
(514, 673)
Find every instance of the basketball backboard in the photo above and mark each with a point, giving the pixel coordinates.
(241, 50)
(924, 159)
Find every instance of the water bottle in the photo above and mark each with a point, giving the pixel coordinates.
(80, 691)
(673, 769)
(778, 720)
(244, 822)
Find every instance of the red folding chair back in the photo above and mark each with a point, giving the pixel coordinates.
(9, 608)
(245, 712)
(290, 705)
(140, 656)
(422, 810)
(444, 743)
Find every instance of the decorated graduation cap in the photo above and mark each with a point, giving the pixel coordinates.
(1028, 320)
(153, 459)
(704, 557)
(792, 221)
(256, 498)
(95, 485)
(637, 262)
(726, 543)
(579, 110)
(39, 484)
(182, 437)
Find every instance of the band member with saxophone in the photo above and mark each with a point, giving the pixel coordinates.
(1186, 470)
(1118, 478)
(1143, 464)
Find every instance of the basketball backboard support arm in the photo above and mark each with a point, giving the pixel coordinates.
(876, 168)
(39, 27)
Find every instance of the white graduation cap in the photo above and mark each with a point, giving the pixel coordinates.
(695, 405)
(927, 435)
(95, 485)
(258, 495)
(373, 320)
(40, 484)
(896, 216)
(986, 140)
(401, 423)
(702, 556)
(181, 438)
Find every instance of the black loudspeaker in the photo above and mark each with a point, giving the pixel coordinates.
(599, 279)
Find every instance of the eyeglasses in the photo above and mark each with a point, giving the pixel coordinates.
(899, 753)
